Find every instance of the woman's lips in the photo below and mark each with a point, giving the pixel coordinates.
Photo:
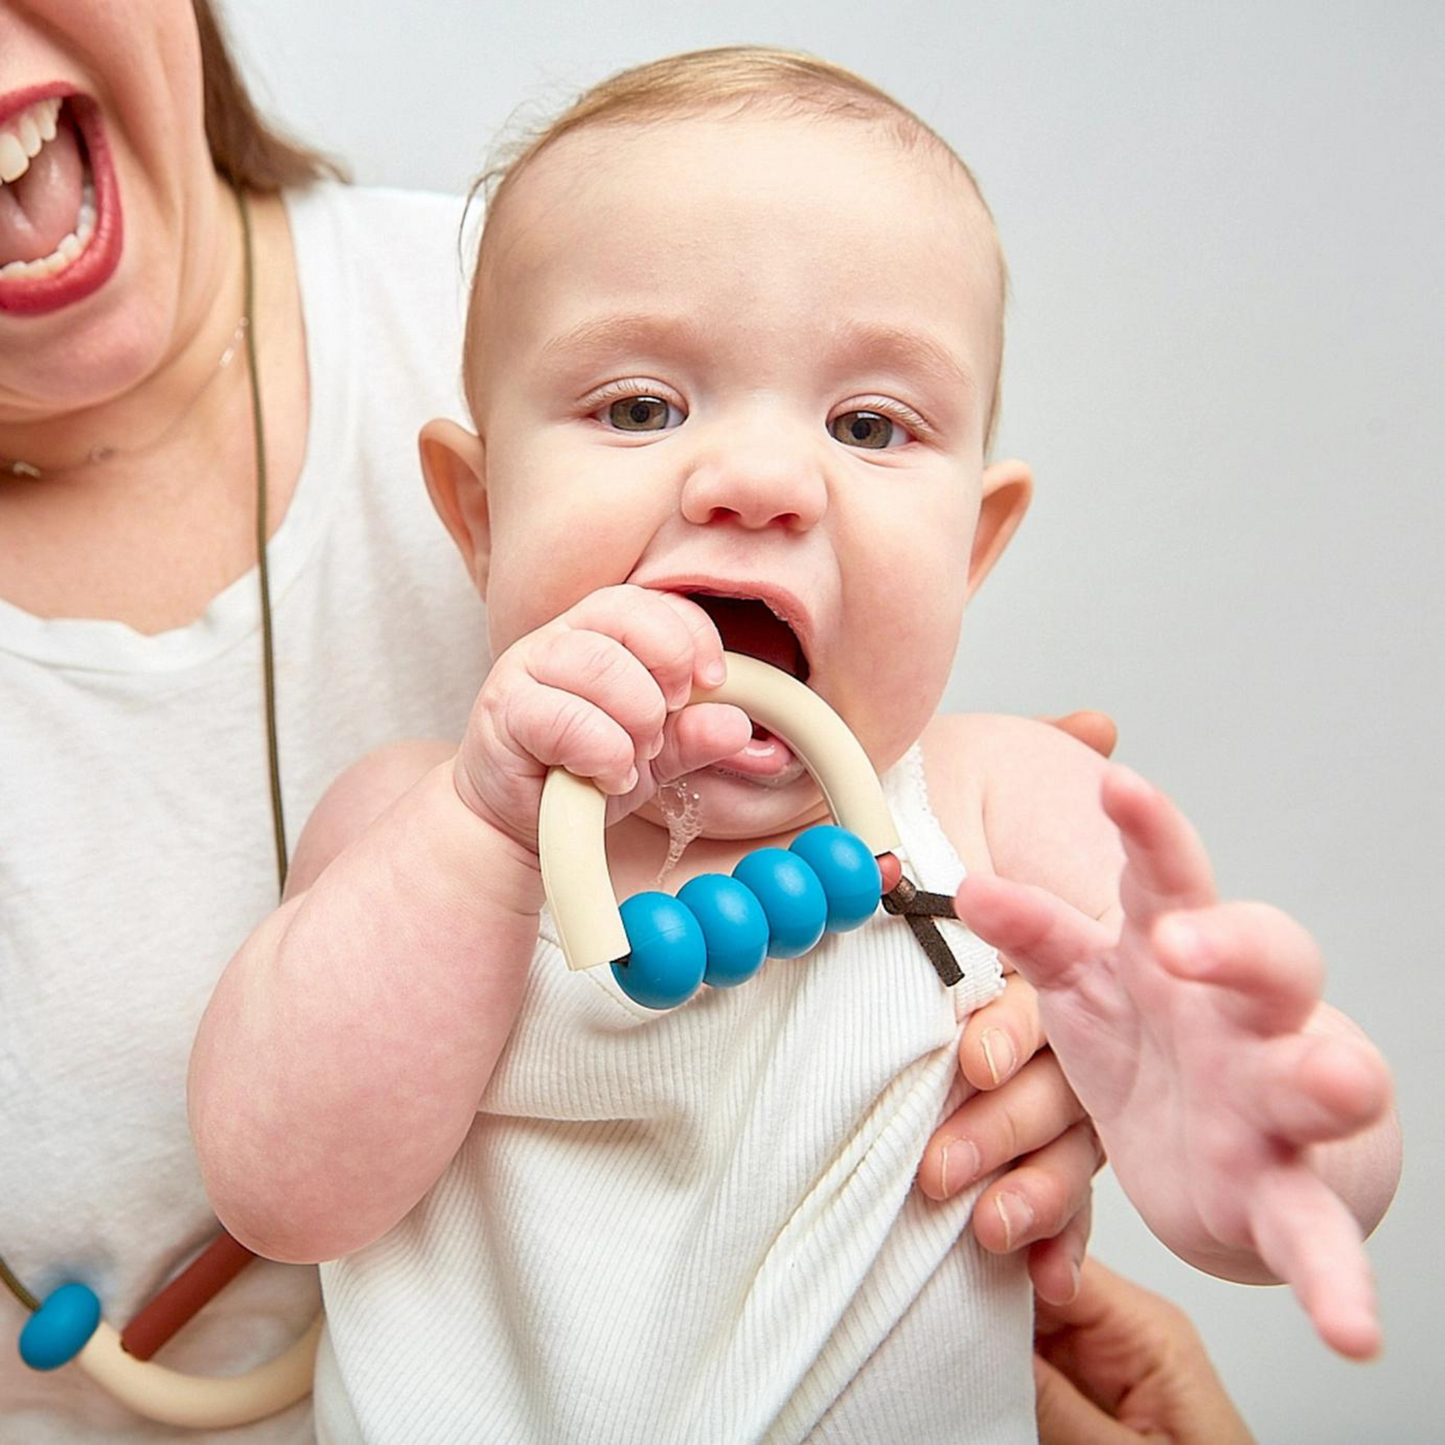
(32, 295)
(42, 187)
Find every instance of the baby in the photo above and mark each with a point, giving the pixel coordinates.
(733, 361)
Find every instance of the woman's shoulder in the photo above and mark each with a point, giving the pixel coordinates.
(391, 204)
(415, 229)
(384, 276)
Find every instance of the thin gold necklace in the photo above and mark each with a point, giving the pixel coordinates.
(247, 330)
(104, 452)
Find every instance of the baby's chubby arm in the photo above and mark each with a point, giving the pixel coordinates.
(342, 1057)
(1248, 1122)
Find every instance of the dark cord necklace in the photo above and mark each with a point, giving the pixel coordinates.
(224, 1258)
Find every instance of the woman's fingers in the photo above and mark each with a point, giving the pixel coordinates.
(1095, 730)
(1066, 1416)
(990, 1129)
(1042, 1195)
(1055, 1264)
(1002, 1035)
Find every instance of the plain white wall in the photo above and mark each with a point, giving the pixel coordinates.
(1225, 357)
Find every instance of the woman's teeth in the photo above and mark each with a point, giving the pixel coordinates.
(71, 245)
(22, 136)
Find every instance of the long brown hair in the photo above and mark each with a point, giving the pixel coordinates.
(245, 149)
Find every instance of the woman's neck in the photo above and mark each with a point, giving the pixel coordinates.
(150, 536)
(42, 437)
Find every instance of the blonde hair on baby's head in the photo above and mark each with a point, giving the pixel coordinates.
(728, 79)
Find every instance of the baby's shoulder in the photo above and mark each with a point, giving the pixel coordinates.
(994, 755)
(360, 795)
(1020, 798)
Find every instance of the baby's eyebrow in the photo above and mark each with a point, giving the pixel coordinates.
(909, 351)
(640, 332)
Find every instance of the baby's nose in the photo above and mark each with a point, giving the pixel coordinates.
(760, 484)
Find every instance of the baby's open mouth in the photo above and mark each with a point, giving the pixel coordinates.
(47, 197)
(749, 626)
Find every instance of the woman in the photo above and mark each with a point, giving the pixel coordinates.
(138, 845)
(205, 339)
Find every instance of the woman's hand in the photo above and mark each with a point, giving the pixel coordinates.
(1025, 1112)
(1118, 1364)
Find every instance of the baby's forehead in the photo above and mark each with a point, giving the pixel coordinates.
(737, 207)
(601, 157)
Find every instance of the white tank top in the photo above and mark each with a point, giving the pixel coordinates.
(700, 1225)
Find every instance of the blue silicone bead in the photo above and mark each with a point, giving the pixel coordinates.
(733, 924)
(846, 869)
(792, 898)
(58, 1331)
(668, 953)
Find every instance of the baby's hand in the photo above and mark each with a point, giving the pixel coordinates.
(1180, 1023)
(602, 691)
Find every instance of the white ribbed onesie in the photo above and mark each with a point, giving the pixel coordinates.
(700, 1225)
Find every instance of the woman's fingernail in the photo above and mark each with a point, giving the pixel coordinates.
(998, 1054)
(958, 1165)
(1016, 1216)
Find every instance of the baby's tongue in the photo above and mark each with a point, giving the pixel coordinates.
(38, 211)
(766, 758)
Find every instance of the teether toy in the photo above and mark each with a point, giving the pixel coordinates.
(777, 903)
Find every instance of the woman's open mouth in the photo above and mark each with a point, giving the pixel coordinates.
(59, 220)
(749, 626)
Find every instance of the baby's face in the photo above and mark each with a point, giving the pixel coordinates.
(750, 359)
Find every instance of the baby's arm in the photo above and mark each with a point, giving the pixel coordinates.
(1248, 1122)
(343, 1055)
(1024, 1124)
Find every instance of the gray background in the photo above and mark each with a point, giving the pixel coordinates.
(1225, 228)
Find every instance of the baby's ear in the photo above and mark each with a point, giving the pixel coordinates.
(1008, 488)
(454, 463)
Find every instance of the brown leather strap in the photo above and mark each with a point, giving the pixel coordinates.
(918, 909)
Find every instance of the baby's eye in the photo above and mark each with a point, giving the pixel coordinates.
(870, 429)
(641, 413)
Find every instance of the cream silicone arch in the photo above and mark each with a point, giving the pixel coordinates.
(573, 815)
(200, 1402)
